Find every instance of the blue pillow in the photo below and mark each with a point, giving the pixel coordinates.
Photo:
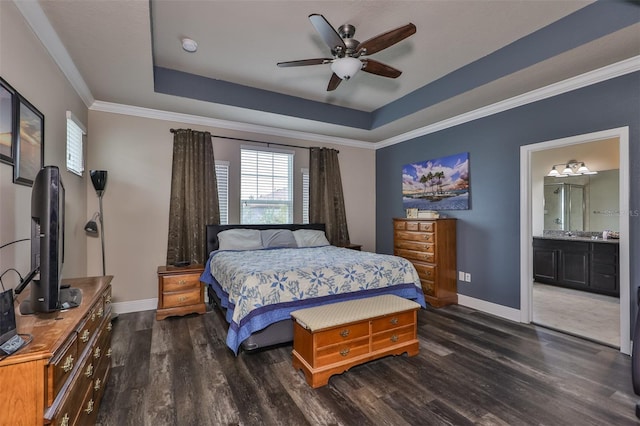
(277, 238)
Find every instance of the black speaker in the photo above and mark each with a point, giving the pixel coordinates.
(99, 179)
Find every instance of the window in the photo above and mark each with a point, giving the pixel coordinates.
(222, 177)
(75, 152)
(305, 195)
(266, 187)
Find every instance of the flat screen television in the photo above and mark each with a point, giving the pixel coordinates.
(47, 247)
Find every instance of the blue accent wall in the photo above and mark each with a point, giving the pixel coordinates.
(488, 241)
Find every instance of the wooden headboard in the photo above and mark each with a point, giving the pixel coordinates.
(213, 230)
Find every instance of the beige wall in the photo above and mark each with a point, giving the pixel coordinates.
(137, 153)
(28, 68)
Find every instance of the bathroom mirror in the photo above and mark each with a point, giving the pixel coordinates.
(582, 203)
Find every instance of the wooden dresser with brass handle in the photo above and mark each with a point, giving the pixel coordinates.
(430, 245)
(59, 378)
(330, 339)
(180, 291)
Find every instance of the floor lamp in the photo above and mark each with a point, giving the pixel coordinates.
(99, 180)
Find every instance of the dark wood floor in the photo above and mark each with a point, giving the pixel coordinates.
(472, 368)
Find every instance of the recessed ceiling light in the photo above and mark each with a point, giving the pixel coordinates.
(189, 45)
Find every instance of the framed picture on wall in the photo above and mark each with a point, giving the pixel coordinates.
(438, 184)
(28, 150)
(7, 121)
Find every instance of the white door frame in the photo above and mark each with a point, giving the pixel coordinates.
(526, 220)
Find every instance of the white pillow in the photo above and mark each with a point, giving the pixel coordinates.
(310, 238)
(239, 239)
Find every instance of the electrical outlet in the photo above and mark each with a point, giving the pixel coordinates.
(467, 277)
(460, 275)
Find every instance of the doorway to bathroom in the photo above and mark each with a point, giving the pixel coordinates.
(560, 231)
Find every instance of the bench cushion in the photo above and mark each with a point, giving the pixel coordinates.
(334, 314)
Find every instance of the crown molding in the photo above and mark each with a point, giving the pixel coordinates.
(39, 23)
(224, 124)
(617, 69)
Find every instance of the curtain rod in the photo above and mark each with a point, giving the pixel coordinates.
(251, 140)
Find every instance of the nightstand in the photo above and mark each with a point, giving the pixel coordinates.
(180, 291)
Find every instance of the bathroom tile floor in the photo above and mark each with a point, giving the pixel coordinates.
(592, 316)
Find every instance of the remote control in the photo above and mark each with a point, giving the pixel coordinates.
(12, 345)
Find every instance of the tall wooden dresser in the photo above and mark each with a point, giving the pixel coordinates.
(59, 377)
(430, 245)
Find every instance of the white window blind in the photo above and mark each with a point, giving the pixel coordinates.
(266, 186)
(75, 151)
(305, 195)
(222, 177)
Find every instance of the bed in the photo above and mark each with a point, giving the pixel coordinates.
(257, 287)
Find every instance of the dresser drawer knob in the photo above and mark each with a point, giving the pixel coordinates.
(96, 353)
(393, 321)
(344, 352)
(109, 353)
(107, 299)
(182, 298)
(182, 282)
(89, 408)
(109, 326)
(345, 332)
(394, 338)
(85, 336)
(93, 316)
(98, 385)
(65, 420)
(68, 364)
(89, 371)
(100, 312)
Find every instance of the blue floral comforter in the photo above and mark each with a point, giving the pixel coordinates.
(261, 287)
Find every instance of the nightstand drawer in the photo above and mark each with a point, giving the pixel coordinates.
(181, 299)
(180, 282)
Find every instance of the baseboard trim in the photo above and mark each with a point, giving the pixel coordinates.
(489, 307)
(135, 306)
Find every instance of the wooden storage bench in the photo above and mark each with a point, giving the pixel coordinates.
(332, 338)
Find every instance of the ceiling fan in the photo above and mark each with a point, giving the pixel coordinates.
(349, 55)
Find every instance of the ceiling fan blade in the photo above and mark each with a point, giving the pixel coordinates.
(385, 40)
(317, 61)
(328, 33)
(378, 68)
(334, 82)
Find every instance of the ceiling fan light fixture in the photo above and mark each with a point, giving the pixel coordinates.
(345, 68)
(189, 45)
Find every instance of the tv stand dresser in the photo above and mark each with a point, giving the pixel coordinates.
(59, 377)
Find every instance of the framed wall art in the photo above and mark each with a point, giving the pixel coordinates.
(7, 121)
(439, 184)
(28, 150)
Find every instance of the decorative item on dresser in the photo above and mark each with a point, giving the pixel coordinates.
(180, 291)
(59, 378)
(431, 246)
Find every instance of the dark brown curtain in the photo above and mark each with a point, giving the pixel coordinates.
(194, 196)
(326, 201)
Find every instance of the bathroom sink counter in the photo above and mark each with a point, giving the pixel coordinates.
(584, 239)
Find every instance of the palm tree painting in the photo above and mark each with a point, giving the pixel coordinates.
(439, 184)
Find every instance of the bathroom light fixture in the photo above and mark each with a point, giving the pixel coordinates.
(346, 67)
(571, 168)
(189, 45)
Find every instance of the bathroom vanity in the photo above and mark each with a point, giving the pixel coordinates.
(581, 263)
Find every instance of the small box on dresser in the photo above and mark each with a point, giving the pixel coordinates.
(180, 291)
(430, 245)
